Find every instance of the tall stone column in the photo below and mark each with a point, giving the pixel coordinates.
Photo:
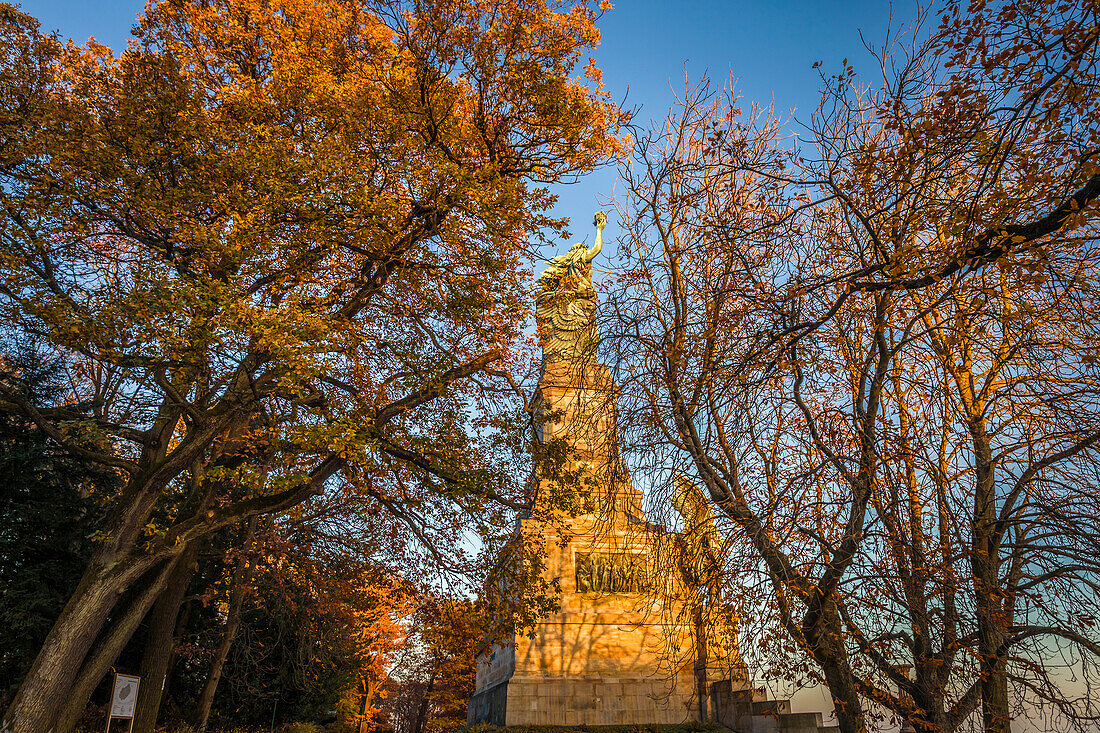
(578, 402)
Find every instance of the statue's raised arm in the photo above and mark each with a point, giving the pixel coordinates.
(599, 221)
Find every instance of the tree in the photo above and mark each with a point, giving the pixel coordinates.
(272, 242)
(1031, 429)
(316, 620)
(50, 505)
(979, 149)
(239, 587)
(980, 145)
(434, 678)
(703, 256)
(792, 328)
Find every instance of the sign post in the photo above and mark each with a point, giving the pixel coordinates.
(123, 699)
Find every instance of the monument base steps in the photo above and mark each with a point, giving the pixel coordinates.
(744, 710)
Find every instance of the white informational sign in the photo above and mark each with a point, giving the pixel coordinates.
(124, 697)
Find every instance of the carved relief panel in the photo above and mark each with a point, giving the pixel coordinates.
(622, 572)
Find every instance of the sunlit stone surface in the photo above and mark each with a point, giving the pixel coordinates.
(615, 652)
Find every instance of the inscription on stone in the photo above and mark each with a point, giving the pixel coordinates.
(622, 572)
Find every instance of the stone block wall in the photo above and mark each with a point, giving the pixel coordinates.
(596, 701)
(606, 658)
(489, 705)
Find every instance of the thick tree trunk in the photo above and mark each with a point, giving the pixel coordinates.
(118, 565)
(929, 699)
(106, 651)
(49, 682)
(112, 571)
(160, 641)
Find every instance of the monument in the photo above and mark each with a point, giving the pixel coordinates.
(629, 643)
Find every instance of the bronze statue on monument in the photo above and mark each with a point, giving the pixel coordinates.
(566, 302)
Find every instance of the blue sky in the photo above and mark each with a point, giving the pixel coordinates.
(647, 45)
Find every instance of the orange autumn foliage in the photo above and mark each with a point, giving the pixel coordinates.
(265, 240)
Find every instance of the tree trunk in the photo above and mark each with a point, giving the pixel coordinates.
(237, 594)
(106, 651)
(48, 686)
(700, 657)
(364, 704)
(49, 682)
(160, 641)
(824, 635)
(985, 559)
(422, 710)
(929, 700)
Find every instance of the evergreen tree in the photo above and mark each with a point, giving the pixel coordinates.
(49, 504)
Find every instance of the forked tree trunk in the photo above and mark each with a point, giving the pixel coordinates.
(113, 570)
(110, 645)
(49, 682)
(824, 635)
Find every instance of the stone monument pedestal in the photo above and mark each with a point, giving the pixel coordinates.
(603, 659)
(619, 649)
